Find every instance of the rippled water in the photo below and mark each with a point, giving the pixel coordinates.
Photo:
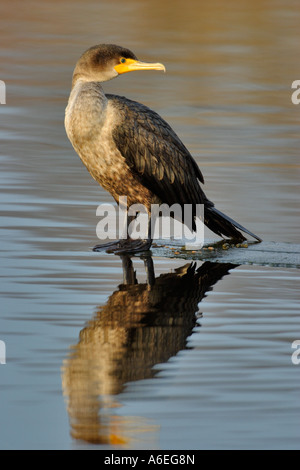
(203, 358)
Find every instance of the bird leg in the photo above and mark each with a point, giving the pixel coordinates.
(129, 276)
(149, 268)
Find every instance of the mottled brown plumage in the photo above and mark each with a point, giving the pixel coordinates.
(128, 148)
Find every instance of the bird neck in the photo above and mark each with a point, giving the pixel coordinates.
(88, 93)
(86, 108)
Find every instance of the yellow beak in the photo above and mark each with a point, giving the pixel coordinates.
(131, 65)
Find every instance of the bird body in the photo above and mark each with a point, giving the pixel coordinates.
(128, 148)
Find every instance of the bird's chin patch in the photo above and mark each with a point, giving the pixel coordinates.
(115, 74)
(108, 75)
(112, 74)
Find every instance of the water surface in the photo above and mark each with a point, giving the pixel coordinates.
(90, 361)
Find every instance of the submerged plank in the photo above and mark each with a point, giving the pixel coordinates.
(263, 254)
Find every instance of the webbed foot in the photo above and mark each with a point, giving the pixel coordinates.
(124, 246)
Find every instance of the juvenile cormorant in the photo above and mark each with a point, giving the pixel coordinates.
(129, 149)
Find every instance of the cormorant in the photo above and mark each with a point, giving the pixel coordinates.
(130, 150)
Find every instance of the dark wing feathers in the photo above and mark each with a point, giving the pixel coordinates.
(164, 165)
(155, 153)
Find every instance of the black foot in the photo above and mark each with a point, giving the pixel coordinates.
(124, 246)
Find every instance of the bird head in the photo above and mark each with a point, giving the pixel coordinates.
(106, 61)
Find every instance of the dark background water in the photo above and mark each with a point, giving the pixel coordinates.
(226, 382)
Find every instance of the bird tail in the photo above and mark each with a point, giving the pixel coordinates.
(223, 225)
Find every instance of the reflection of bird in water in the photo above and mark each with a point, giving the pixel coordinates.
(130, 150)
(141, 325)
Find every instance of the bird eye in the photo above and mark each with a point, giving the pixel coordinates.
(123, 60)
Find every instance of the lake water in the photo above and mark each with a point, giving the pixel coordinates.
(203, 359)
